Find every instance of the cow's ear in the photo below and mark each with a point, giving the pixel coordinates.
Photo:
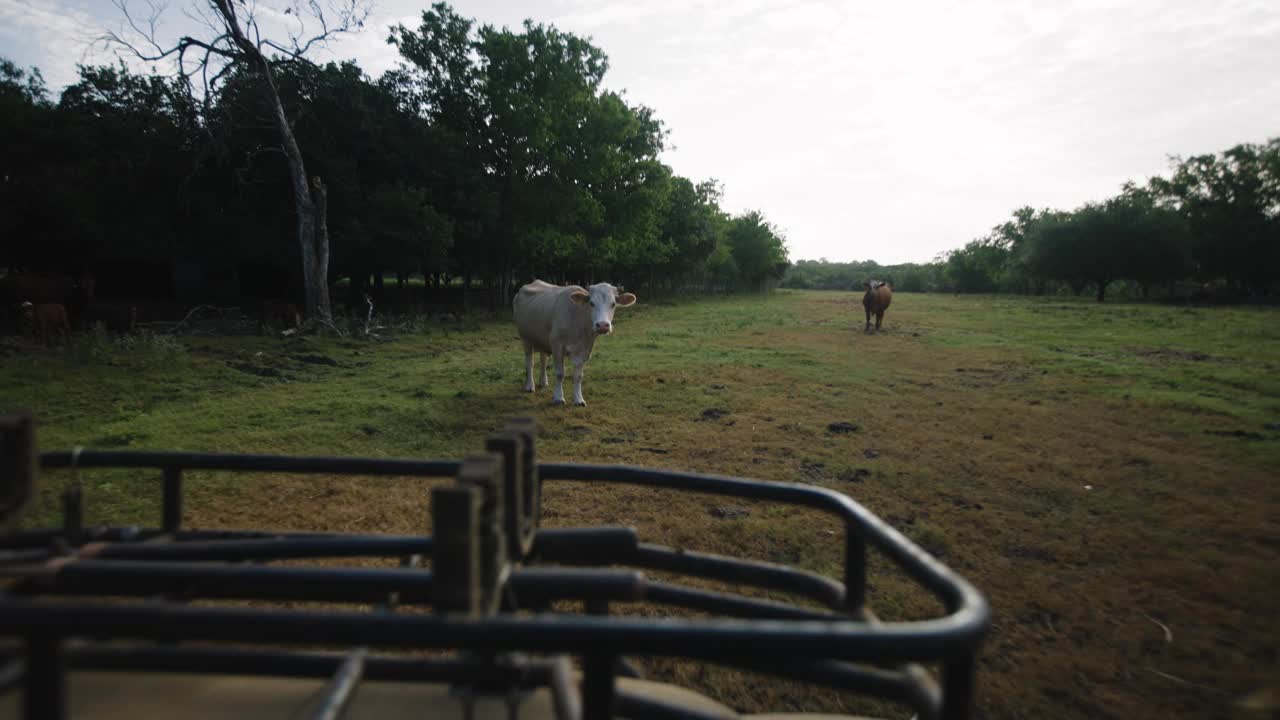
(579, 296)
(626, 299)
(867, 284)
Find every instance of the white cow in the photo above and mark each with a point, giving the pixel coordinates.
(560, 321)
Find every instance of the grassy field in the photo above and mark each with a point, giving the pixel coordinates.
(1101, 472)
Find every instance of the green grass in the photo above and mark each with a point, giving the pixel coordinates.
(986, 418)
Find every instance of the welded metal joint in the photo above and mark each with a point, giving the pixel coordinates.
(19, 464)
(531, 483)
(484, 472)
(455, 519)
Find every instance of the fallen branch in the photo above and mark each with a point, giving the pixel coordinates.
(1168, 634)
(1188, 683)
(330, 325)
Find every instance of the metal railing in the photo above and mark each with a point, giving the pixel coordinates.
(494, 574)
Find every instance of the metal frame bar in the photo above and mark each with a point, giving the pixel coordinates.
(485, 534)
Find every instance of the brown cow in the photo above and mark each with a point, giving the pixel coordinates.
(73, 292)
(45, 317)
(876, 300)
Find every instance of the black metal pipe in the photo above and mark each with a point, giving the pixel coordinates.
(598, 674)
(892, 685)
(957, 689)
(564, 697)
(540, 584)
(748, 572)
(12, 672)
(591, 546)
(341, 689)
(171, 513)
(954, 591)
(276, 663)
(213, 580)
(251, 463)
(726, 604)
(943, 639)
(44, 691)
(24, 557)
(392, 601)
(281, 548)
(338, 584)
(598, 689)
(73, 516)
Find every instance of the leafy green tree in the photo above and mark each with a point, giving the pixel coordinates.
(28, 156)
(1231, 203)
(759, 250)
(977, 267)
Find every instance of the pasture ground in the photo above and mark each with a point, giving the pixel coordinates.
(1101, 472)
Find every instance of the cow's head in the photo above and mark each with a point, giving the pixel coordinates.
(602, 299)
(28, 310)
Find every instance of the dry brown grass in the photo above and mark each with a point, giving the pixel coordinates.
(1047, 453)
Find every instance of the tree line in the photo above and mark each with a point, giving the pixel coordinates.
(1211, 225)
(488, 157)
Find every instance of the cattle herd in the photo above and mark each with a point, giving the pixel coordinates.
(564, 321)
(560, 322)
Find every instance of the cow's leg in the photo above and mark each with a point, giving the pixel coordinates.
(557, 397)
(542, 365)
(868, 327)
(879, 318)
(578, 363)
(528, 368)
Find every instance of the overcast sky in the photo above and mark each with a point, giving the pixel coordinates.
(873, 130)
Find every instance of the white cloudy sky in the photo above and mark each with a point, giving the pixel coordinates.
(874, 130)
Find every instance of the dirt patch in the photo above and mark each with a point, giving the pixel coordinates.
(840, 428)
(854, 475)
(1031, 552)
(259, 370)
(712, 414)
(729, 513)
(812, 472)
(316, 360)
(1242, 434)
(1170, 355)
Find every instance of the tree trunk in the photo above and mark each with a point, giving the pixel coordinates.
(1102, 289)
(317, 283)
(312, 225)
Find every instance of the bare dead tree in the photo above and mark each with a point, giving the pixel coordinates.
(234, 39)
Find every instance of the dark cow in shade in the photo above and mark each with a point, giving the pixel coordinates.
(46, 318)
(73, 292)
(876, 300)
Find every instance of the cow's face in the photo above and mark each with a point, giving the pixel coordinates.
(28, 310)
(602, 300)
